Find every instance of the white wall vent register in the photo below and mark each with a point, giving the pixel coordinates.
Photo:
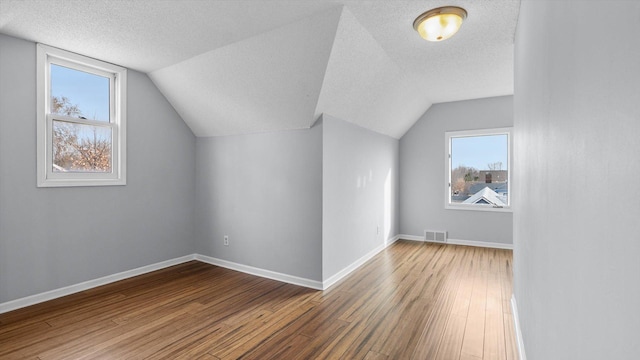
(435, 236)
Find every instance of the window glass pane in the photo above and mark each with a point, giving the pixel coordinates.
(79, 94)
(480, 170)
(81, 148)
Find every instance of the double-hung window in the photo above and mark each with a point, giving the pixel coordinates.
(81, 125)
(478, 170)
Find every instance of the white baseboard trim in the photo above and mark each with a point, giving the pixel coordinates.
(356, 264)
(516, 326)
(72, 289)
(349, 269)
(290, 279)
(486, 244)
(411, 237)
(313, 284)
(493, 245)
(392, 240)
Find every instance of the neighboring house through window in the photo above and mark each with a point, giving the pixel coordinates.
(478, 173)
(81, 120)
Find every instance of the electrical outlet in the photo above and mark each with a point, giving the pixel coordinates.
(226, 240)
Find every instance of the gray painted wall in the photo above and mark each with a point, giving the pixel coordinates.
(422, 172)
(576, 228)
(55, 237)
(265, 192)
(304, 202)
(360, 192)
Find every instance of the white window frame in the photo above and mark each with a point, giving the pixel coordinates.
(472, 133)
(47, 55)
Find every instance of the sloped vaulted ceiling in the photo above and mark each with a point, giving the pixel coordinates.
(245, 66)
(267, 82)
(364, 85)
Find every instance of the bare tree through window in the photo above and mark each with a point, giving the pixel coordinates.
(78, 147)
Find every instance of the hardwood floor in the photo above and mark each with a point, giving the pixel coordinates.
(412, 301)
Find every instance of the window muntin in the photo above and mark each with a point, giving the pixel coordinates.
(478, 169)
(81, 120)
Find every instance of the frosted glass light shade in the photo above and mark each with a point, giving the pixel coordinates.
(440, 23)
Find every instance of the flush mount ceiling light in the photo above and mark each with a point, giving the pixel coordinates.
(440, 23)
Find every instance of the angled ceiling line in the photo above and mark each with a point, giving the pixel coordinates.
(268, 82)
(383, 79)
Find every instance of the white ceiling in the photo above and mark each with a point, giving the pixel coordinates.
(233, 67)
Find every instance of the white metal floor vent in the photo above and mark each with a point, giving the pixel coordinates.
(435, 236)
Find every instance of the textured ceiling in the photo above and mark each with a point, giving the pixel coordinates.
(266, 82)
(232, 67)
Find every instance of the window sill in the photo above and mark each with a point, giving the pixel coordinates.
(506, 209)
(81, 182)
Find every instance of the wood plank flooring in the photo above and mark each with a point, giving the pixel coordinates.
(412, 301)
